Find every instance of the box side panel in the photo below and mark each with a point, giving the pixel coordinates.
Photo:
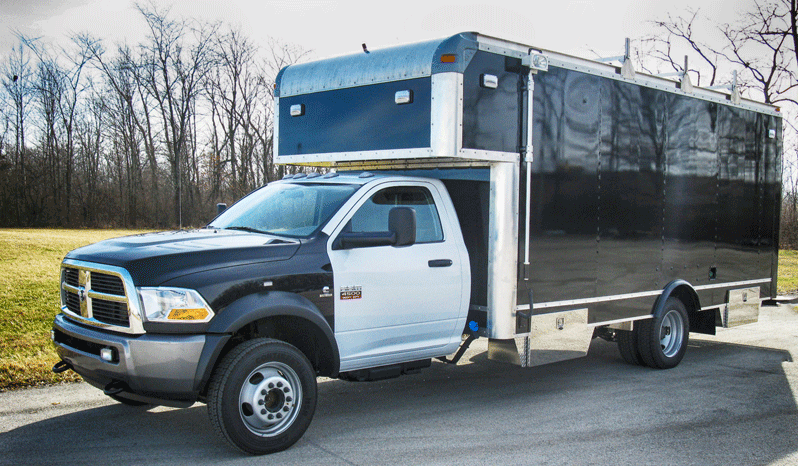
(564, 188)
(491, 116)
(365, 118)
(690, 192)
(630, 195)
(739, 198)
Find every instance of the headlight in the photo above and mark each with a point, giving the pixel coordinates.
(174, 305)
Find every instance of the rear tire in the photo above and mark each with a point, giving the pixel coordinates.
(262, 396)
(627, 346)
(662, 341)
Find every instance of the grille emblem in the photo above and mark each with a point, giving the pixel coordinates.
(84, 282)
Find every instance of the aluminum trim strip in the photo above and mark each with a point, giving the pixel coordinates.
(579, 302)
(618, 321)
(502, 249)
(725, 285)
(395, 154)
(643, 294)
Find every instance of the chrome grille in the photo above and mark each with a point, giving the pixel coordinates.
(108, 284)
(71, 277)
(110, 312)
(95, 297)
(72, 302)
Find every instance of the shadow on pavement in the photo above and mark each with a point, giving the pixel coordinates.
(725, 404)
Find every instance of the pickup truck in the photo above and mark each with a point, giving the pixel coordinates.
(355, 276)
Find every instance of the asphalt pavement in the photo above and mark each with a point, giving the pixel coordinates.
(732, 401)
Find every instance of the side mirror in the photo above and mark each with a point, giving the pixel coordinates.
(220, 207)
(402, 223)
(401, 232)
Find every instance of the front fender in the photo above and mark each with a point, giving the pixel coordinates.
(278, 304)
(267, 304)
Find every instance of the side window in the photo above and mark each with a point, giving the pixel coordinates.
(372, 216)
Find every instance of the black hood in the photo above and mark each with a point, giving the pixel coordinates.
(154, 258)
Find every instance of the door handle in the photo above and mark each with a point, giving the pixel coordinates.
(440, 263)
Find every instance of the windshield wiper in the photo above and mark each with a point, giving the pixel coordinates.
(249, 229)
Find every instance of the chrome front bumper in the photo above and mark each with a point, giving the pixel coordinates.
(161, 369)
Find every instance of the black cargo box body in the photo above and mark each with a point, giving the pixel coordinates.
(633, 182)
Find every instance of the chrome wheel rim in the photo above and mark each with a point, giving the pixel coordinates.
(270, 399)
(671, 333)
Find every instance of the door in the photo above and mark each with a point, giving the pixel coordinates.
(395, 304)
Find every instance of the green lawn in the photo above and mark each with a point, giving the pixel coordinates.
(788, 272)
(29, 273)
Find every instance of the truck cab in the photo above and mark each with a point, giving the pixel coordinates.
(358, 276)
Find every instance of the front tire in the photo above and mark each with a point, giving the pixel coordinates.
(262, 396)
(662, 341)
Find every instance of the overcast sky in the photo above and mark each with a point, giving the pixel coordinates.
(339, 27)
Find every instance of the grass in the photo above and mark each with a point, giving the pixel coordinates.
(788, 272)
(29, 272)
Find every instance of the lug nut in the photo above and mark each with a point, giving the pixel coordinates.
(263, 411)
(286, 389)
(289, 399)
(271, 385)
(279, 416)
(263, 392)
(260, 402)
(285, 409)
(279, 384)
(271, 416)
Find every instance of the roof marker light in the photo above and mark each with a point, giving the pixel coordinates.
(448, 58)
(297, 110)
(403, 97)
(489, 81)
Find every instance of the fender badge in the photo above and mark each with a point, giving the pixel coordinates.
(351, 292)
(325, 292)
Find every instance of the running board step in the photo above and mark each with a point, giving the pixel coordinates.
(385, 372)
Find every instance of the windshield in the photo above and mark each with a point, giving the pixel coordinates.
(285, 209)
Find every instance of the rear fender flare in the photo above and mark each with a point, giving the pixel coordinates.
(685, 292)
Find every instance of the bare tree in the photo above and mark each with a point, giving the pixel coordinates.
(682, 29)
(59, 87)
(280, 55)
(16, 75)
(173, 124)
(174, 69)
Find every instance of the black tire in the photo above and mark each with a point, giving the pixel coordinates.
(128, 402)
(262, 396)
(627, 346)
(662, 341)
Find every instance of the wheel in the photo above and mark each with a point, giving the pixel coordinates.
(128, 402)
(627, 346)
(662, 341)
(262, 396)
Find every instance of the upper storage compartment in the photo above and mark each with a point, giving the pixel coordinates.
(408, 102)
